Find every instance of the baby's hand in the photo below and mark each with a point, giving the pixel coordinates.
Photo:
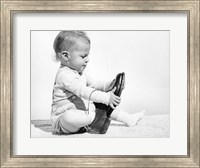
(114, 100)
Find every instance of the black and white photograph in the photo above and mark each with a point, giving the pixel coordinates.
(100, 83)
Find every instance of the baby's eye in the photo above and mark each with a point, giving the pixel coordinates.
(83, 56)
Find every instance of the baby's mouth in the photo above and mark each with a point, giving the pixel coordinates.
(83, 67)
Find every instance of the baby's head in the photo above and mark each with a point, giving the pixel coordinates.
(72, 49)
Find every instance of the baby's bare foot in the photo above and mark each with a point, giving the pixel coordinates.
(135, 118)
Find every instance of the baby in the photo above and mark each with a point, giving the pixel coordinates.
(72, 88)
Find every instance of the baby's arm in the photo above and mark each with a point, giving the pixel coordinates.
(74, 84)
(103, 85)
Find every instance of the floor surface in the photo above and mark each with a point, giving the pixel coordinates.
(151, 126)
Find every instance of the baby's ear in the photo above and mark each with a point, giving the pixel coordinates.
(65, 55)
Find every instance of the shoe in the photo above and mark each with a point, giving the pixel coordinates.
(118, 84)
(102, 119)
(100, 123)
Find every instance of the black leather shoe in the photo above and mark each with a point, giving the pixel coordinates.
(100, 124)
(102, 119)
(118, 84)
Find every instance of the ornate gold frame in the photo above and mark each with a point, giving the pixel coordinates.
(10, 7)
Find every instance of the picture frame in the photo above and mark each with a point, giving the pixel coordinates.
(10, 8)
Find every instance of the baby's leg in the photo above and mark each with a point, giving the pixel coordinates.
(127, 118)
(72, 120)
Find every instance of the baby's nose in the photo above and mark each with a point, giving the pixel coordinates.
(86, 59)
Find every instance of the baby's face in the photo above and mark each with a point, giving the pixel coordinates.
(78, 57)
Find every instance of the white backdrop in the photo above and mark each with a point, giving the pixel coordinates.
(142, 55)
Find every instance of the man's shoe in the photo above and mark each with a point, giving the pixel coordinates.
(118, 84)
(102, 118)
(119, 80)
(100, 124)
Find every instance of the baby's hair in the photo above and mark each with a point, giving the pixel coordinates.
(65, 40)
